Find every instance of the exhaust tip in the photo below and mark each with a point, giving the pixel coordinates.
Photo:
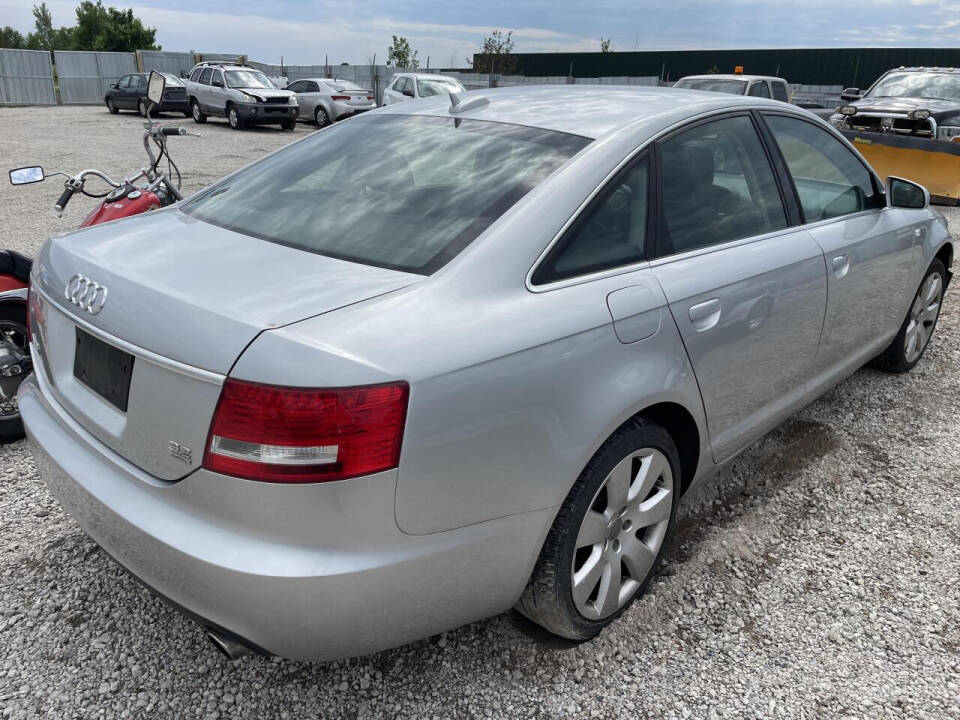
(228, 647)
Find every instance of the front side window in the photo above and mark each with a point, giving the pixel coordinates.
(830, 180)
(759, 89)
(428, 88)
(253, 79)
(716, 186)
(611, 233)
(124, 81)
(397, 191)
(205, 76)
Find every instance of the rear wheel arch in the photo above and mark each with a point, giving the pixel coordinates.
(682, 428)
(945, 255)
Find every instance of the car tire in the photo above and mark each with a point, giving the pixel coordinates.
(289, 124)
(114, 110)
(320, 115)
(916, 332)
(233, 118)
(13, 316)
(142, 108)
(187, 113)
(198, 116)
(608, 537)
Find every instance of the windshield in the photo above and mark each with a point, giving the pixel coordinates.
(945, 86)
(405, 192)
(733, 87)
(426, 88)
(248, 79)
(342, 85)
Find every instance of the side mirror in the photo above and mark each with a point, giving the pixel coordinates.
(155, 87)
(26, 175)
(408, 93)
(217, 82)
(114, 86)
(906, 194)
(850, 94)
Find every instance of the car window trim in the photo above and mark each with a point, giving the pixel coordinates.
(661, 221)
(645, 144)
(788, 190)
(878, 186)
(584, 215)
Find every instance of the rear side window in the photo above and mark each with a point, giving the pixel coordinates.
(205, 76)
(717, 186)
(611, 233)
(310, 87)
(830, 180)
(780, 92)
(297, 87)
(759, 89)
(405, 192)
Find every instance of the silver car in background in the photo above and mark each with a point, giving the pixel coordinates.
(326, 100)
(413, 86)
(452, 358)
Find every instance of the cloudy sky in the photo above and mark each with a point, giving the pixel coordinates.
(448, 31)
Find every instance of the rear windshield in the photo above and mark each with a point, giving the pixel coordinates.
(398, 191)
(733, 87)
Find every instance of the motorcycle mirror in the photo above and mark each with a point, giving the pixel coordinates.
(155, 87)
(26, 175)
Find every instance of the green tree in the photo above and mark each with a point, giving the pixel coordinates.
(606, 44)
(496, 56)
(45, 36)
(10, 38)
(107, 29)
(401, 55)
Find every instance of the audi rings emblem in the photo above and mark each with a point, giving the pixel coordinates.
(86, 294)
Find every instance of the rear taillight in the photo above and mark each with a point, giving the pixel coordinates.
(301, 435)
(29, 314)
(339, 97)
(369, 97)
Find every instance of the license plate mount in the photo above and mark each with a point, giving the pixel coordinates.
(103, 368)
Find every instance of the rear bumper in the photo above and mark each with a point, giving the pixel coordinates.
(181, 106)
(341, 110)
(266, 114)
(312, 572)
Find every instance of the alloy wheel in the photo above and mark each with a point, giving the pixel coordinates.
(142, 108)
(233, 118)
(923, 317)
(322, 118)
(195, 109)
(621, 534)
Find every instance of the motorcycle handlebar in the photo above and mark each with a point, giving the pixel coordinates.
(64, 199)
(173, 131)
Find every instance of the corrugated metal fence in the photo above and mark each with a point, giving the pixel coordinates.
(26, 77)
(85, 76)
(175, 63)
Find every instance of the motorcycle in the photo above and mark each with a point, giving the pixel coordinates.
(149, 189)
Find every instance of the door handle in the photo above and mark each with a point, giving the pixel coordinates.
(841, 264)
(705, 315)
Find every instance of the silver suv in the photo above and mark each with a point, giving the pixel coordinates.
(241, 94)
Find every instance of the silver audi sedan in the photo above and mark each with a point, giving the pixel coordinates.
(463, 355)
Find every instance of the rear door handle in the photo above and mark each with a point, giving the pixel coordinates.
(841, 264)
(705, 315)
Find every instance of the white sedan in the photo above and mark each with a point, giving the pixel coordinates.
(412, 86)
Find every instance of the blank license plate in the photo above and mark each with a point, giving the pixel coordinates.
(103, 368)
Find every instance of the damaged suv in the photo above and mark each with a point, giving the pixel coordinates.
(241, 94)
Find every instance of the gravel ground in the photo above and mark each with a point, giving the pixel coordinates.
(818, 576)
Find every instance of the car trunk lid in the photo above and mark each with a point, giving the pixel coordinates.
(177, 300)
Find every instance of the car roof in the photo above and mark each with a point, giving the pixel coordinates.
(949, 70)
(426, 76)
(586, 110)
(731, 76)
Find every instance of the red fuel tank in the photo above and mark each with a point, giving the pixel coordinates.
(138, 201)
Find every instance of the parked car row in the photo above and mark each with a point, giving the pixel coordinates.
(130, 93)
